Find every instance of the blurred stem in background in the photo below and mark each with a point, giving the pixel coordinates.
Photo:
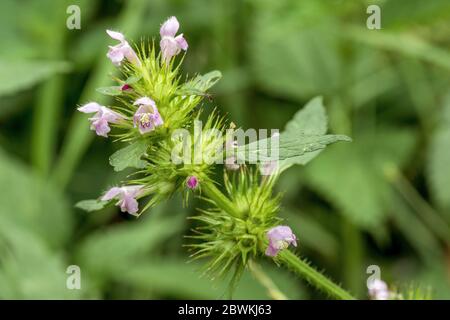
(352, 258)
(428, 215)
(272, 289)
(78, 135)
(50, 101)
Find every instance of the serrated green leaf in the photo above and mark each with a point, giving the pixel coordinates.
(201, 83)
(110, 91)
(129, 157)
(91, 205)
(302, 140)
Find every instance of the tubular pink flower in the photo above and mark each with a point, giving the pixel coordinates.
(147, 117)
(127, 197)
(171, 45)
(103, 116)
(192, 182)
(122, 50)
(280, 238)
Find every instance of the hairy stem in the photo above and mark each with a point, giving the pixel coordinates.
(314, 277)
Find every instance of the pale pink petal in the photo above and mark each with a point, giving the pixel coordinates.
(110, 115)
(90, 107)
(145, 101)
(280, 237)
(169, 27)
(271, 251)
(101, 127)
(131, 55)
(129, 204)
(182, 43)
(116, 55)
(116, 35)
(133, 190)
(111, 193)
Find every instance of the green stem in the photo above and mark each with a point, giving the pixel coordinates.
(220, 199)
(314, 277)
(44, 131)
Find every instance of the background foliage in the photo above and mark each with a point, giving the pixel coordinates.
(382, 199)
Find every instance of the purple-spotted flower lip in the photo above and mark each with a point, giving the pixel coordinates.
(280, 238)
(171, 45)
(126, 196)
(147, 116)
(192, 182)
(103, 116)
(122, 50)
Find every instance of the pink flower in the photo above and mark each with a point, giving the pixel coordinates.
(147, 117)
(280, 238)
(122, 50)
(192, 182)
(127, 197)
(171, 45)
(103, 116)
(378, 290)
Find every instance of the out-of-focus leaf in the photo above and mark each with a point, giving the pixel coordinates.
(108, 253)
(23, 74)
(175, 277)
(407, 13)
(34, 204)
(312, 234)
(129, 157)
(352, 176)
(28, 268)
(407, 44)
(438, 173)
(292, 56)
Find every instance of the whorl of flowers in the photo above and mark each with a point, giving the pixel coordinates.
(157, 116)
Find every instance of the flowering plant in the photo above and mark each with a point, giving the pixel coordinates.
(158, 117)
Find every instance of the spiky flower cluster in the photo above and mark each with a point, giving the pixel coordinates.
(155, 111)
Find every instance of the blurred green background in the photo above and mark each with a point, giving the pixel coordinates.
(382, 200)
